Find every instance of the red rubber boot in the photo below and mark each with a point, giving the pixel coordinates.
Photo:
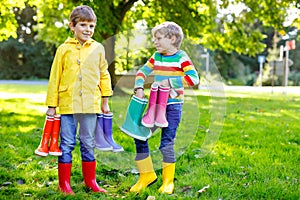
(64, 175)
(89, 175)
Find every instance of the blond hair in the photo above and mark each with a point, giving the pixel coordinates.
(82, 13)
(169, 29)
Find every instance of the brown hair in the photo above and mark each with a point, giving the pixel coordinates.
(169, 29)
(82, 13)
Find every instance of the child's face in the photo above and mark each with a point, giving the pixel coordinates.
(164, 45)
(83, 30)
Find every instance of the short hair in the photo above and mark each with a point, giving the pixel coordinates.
(169, 29)
(82, 13)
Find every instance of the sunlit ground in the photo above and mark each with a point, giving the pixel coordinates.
(248, 91)
(239, 138)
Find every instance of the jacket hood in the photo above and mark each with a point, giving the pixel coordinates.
(70, 40)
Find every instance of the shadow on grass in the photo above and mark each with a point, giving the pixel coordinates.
(259, 132)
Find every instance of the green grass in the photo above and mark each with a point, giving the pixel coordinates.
(256, 156)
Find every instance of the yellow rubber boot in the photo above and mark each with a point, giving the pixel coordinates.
(168, 178)
(147, 175)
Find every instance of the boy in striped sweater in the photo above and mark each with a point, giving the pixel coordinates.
(173, 70)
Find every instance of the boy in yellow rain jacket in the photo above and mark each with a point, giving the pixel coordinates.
(79, 81)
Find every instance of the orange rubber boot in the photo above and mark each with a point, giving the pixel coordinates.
(54, 149)
(43, 148)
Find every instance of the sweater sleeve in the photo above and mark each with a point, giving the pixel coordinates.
(144, 72)
(190, 77)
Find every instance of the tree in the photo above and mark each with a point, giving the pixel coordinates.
(8, 23)
(229, 25)
(110, 15)
(24, 57)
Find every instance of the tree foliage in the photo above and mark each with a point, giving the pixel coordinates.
(215, 24)
(24, 56)
(8, 23)
(228, 26)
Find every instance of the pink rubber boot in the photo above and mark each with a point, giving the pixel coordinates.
(148, 119)
(162, 99)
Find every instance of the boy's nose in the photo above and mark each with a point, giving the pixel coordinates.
(90, 29)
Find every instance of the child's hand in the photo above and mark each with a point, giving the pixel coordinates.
(51, 112)
(104, 106)
(164, 83)
(140, 93)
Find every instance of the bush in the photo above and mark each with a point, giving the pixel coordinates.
(295, 78)
(24, 60)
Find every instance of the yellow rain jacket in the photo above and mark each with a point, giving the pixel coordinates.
(78, 77)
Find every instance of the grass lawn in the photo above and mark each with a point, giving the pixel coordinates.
(251, 151)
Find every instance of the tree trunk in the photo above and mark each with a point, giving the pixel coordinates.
(109, 45)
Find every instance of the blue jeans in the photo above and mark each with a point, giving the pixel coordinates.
(168, 134)
(87, 127)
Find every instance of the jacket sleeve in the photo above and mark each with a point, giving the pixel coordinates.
(190, 77)
(105, 79)
(54, 80)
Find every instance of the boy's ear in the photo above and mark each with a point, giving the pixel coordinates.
(71, 26)
(173, 39)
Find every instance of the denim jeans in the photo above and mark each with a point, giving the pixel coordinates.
(168, 134)
(87, 127)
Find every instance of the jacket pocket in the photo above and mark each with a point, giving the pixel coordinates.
(63, 88)
(64, 96)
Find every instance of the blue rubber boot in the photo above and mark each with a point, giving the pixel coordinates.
(101, 143)
(107, 127)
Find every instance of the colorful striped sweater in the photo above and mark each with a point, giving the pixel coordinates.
(178, 68)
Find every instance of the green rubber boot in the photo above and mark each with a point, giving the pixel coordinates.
(132, 125)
